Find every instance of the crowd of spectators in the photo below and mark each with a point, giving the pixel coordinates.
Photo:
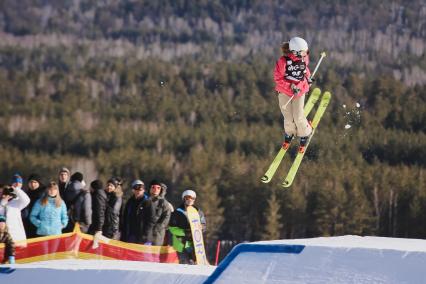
(36, 209)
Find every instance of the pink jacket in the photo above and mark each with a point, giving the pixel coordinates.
(282, 85)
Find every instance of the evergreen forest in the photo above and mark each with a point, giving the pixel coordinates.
(183, 91)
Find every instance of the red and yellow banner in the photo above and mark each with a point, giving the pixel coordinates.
(77, 245)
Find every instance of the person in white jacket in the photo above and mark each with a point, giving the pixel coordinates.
(12, 201)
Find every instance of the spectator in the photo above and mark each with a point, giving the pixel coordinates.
(109, 205)
(73, 188)
(63, 181)
(99, 199)
(163, 194)
(49, 213)
(132, 219)
(79, 203)
(167, 236)
(157, 216)
(12, 202)
(5, 238)
(35, 191)
(181, 231)
(17, 181)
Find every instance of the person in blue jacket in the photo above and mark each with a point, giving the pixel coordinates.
(49, 213)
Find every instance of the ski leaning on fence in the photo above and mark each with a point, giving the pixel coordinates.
(313, 99)
(197, 235)
(325, 100)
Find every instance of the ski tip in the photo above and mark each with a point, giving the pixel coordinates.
(265, 179)
(327, 94)
(316, 90)
(286, 183)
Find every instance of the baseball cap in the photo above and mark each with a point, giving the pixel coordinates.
(137, 182)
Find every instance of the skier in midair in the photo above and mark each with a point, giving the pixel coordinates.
(292, 82)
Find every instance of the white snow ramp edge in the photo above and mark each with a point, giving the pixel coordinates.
(346, 259)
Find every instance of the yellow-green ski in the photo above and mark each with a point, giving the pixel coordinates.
(325, 100)
(313, 98)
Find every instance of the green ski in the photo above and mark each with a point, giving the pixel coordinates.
(313, 98)
(298, 160)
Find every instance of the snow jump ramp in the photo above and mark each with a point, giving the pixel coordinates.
(345, 259)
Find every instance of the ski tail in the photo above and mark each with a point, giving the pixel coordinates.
(313, 99)
(325, 100)
(274, 166)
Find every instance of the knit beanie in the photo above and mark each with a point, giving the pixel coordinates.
(64, 170)
(96, 184)
(35, 177)
(17, 178)
(77, 176)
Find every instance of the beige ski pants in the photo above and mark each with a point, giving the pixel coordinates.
(295, 122)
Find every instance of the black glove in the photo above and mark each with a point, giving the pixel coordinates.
(310, 81)
(295, 89)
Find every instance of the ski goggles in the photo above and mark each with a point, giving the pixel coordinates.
(139, 187)
(301, 53)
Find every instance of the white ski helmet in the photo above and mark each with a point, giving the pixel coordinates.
(189, 193)
(298, 44)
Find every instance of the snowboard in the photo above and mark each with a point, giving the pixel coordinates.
(197, 235)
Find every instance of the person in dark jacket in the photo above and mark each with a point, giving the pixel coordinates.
(132, 219)
(79, 203)
(63, 180)
(107, 207)
(5, 238)
(157, 216)
(36, 190)
(99, 199)
(180, 228)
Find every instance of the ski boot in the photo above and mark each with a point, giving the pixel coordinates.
(287, 141)
(304, 140)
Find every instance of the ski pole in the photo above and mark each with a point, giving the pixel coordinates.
(285, 106)
(318, 64)
(323, 54)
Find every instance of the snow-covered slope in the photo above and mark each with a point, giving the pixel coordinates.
(77, 271)
(346, 259)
